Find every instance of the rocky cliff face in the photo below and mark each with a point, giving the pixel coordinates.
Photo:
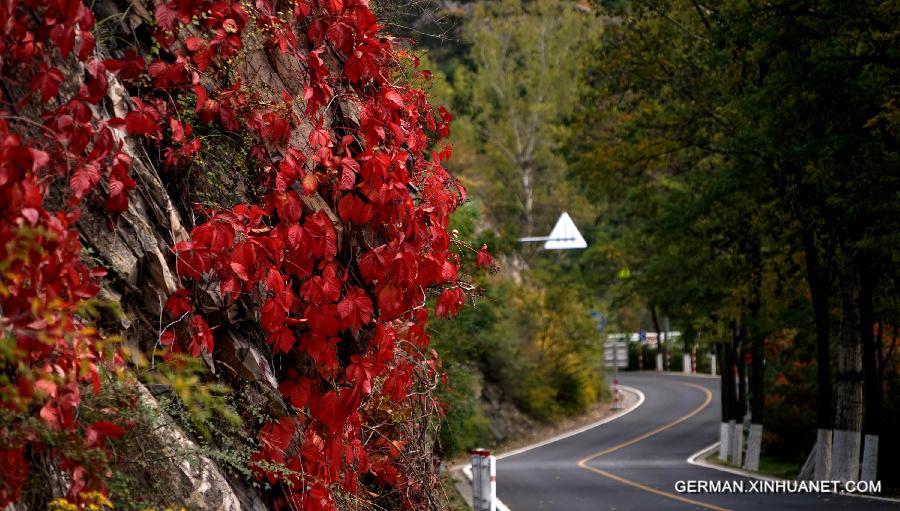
(264, 87)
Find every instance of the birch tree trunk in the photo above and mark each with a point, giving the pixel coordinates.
(849, 392)
(820, 288)
(726, 379)
(872, 378)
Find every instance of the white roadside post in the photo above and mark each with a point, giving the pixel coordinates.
(484, 480)
(615, 355)
(617, 403)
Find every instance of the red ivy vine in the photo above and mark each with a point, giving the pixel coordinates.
(341, 283)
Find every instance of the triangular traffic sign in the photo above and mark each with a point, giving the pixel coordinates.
(565, 235)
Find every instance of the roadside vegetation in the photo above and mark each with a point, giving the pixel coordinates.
(733, 167)
(527, 351)
(745, 155)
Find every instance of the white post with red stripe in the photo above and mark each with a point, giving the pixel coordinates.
(617, 397)
(484, 480)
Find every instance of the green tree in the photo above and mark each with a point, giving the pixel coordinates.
(764, 130)
(519, 93)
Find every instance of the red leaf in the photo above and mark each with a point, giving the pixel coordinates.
(332, 409)
(129, 67)
(282, 340)
(166, 15)
(50, 415)
(202, 336)
(190, 261)
(323, 320)
(359, 372)
(393, 98)
(214, 235)
(484, 258)
(355, 310)
(195, 43)
(289, 206)
(310, 183)
(84, 179)
(390, 301)
(348, 177)
(272, 315)
(352, 208)
(320, 137)
(322, 288)
(450, 302)
(47, 82)
(278, 435)
(167, 338)
(177, 130)
(139, 123)
(109, 429)
(339, 34)
(321, 231)
(298, 391)
(63, 37)
(87, 45)
(179, 303)
(243, 261)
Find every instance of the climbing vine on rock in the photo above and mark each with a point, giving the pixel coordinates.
(336, 254)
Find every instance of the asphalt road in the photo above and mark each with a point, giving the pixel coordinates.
(633, 462)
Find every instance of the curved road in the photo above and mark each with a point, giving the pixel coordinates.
(633, 462)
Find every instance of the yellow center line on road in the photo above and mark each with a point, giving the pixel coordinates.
(583, 463)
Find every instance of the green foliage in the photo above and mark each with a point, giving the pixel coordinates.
(513, 83)
(727, 144)
(538, 347)
(198, 404)
(534, 340)
(513, 97)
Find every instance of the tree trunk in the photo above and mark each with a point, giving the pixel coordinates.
(849, 392)
(757, 402)
(528, 191)
(820, 288)
(871, 377)
(660, 347)
(757, 364)
(740, 408)
(666, 362)
(726, 380)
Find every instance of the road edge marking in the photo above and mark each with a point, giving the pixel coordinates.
(581, 429)
(696, 459)
(583, 463)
